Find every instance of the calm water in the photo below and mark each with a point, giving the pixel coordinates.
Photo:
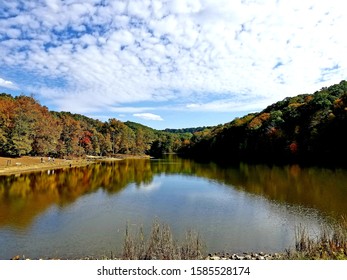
(83, 211)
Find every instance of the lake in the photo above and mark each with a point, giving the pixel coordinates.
(80, 212)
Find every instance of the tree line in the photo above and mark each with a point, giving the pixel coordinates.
(28, 128)
(307, 128)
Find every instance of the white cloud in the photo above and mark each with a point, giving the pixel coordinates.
(7, 84)
(139, 8)
(130, 109)
(150, 187)
(205, 53)
(230, 105)
(148, 116)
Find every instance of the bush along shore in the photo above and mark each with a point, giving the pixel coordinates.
(331, 244)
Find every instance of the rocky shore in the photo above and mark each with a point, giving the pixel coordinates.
(214, 257)
(244, 256)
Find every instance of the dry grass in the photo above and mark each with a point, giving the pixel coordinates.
(331, 244)
(25, 164)
(160, 245)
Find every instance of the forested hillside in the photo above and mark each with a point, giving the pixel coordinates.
(308, 128)
(305, 128)
(27, 128)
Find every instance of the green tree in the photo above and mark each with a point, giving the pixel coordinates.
(122, 137)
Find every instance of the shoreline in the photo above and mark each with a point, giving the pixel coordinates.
(27, 164)
(210, 257)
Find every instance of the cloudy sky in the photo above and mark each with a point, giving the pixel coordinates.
(170, 63)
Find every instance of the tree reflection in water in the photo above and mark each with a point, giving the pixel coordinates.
(24, 197)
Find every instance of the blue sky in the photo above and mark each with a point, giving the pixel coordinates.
(170, 63)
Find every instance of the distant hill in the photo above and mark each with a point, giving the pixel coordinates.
(307, 128)
(137, 126)
(187, 130)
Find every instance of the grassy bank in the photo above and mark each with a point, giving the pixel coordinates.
(25, 164)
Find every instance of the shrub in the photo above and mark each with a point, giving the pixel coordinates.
(161, 245)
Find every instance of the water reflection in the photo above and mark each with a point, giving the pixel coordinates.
(320, 188)
(24, 197)
(238, 207)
